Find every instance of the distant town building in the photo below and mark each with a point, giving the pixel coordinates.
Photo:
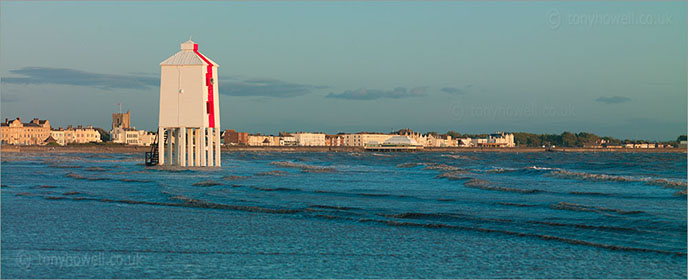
(475, 142)
(395, 143)
(500, 139)
(131, 136)
(231, 137)
(77, 135)
(640, 145)
(121, 120)
(598, 144)
(309, 139)
(263, 140)
(17, 133)
(464, 142)
(643, 146)
(59, 136)
(287, 139)
(401, 141)
(361, 139)
(123, 133)
(416, 136)
(82, 135)
(440, 141)
(334, 140)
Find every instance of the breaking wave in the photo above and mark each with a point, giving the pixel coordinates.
(408, 165)
(304, 167)
(276, 189)
(334, 207)
(525, 170)
(81, 177)
(183, 201)
(65, 166)
(207, 183)
(564, 174)
(127, 180)
(441, 166)
(516, 204)
(272, 173)
(233, 177)
(454, 175)
(334, 193)
(485, 185)
(591, 193)
(682, 186)
(585, 208)
(91, 178)
(431, 166)
(450, 216)
(514, 233)
(429, 216)
(95, 169)
(609, 228)
(456, 156)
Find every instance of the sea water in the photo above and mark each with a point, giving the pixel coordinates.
(346, 215)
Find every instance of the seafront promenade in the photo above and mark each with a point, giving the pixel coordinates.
(138, 149)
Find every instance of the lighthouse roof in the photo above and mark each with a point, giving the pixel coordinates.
(188, 45)
(188, 56)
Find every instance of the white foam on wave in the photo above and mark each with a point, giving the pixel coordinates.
(667, 183)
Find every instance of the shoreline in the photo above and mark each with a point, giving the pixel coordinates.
(104, 149)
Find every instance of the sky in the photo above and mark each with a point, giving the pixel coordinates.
(611, 68)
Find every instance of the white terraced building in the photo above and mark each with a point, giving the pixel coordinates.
(309, 139)
(362, 139)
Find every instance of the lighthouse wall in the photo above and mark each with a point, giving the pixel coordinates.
(184, 132)
(186, 109)
(216, 98)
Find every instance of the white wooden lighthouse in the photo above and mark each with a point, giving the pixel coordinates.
(189, 124)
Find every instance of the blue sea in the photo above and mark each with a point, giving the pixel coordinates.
(346, 215)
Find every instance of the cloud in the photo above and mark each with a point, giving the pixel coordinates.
(72, 77)
(613, 99)
(144, 80)
(265, 87)
(145, 74)
(372, 94)
(457, 91)
(452, 90)
(5, 98)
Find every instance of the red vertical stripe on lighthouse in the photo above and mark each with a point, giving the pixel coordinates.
(208, 76)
